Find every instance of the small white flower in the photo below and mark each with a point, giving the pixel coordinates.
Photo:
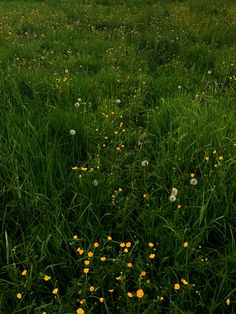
(179, 87)
(77, 104)
(72, 132)
(66, 71)
(95, 182)
(174, 191)
(79, 99)
(145, 163)
(172, 198)
(193, 181)
(209, 72)
(118, 101)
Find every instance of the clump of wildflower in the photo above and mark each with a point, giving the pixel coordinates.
(140, 293)
(193, 181)
(72, 132)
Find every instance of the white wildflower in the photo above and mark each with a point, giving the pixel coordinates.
(174, 191)
(145, 163)
(95, 182)
(72, 132)
(193, 181)
(172, 198)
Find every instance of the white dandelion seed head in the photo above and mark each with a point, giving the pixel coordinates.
(95, 182)
(77, 104)
(72, 132)
(118, 101)
(145, 163)
(194, 181)
(174, 191)
(172, 198)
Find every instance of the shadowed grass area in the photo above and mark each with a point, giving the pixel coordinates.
(117, 160)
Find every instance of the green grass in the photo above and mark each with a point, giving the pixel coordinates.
(148, 88)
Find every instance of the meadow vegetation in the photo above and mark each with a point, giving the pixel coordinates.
(117, 159)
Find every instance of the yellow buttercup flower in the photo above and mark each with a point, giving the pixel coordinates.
(103, 258)
(19, 296)
(185, 244)
(96, 244)
(140, 293)
(55, 291)
(90, 254)
(177, 286)
(80, 311)
(46, 278)
(86, 270)
(129, 294)
(91, 289)
(228, 302)
(24, 272)
(152, 256)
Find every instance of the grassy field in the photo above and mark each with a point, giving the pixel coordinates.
(117, 156)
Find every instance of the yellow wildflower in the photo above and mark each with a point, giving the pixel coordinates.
(91, 289)
(86, 270)
(90, 254)
(96, 244)
(80, 311)
(24, 272)
(109, 238)
(129, 294)
(143, 273)
(55, 291)
(177, 286)
(130, 265)
(47, 278)
(19, 296)
(101, 300)
(140, 293)
(185, 244)
(150, 244)
(103, 258)
(228, 301)
(152, 256)
(128, 244)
